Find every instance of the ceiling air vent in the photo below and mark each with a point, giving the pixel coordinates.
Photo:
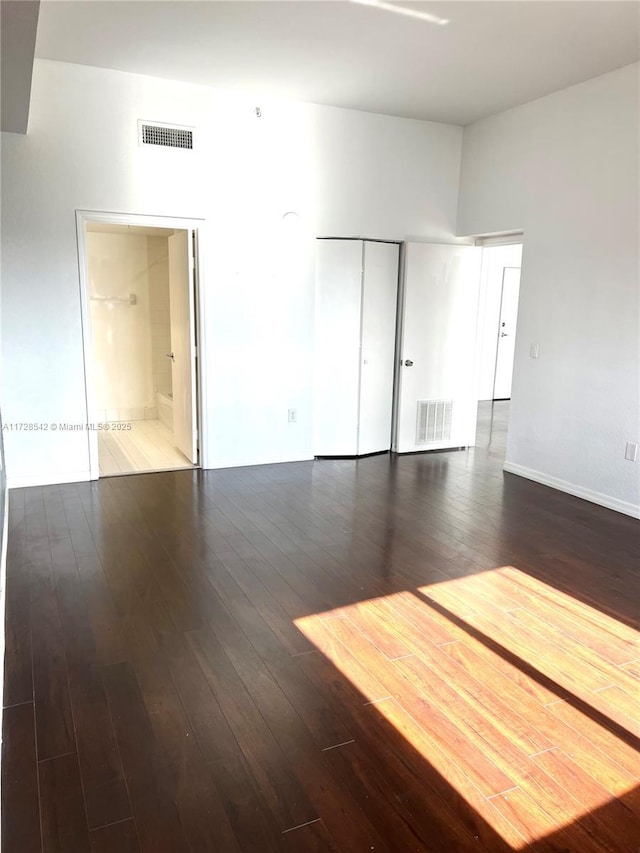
(434, 421)
(166, 135)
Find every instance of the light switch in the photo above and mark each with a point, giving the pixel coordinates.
(631, 451)
(534, 350)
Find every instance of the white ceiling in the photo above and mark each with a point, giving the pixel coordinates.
(491, 56)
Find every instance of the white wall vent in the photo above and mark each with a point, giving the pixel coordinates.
(166, 135)
(433, 421)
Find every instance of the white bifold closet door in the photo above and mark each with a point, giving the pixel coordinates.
(356, 294)
(377, 341)
(437, 403)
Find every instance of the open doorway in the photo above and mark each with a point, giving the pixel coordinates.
(497, 322)
(139, 295)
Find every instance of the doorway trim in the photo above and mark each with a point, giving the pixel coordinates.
(498, 333)
(195, 227)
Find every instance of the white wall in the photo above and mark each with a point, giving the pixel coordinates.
(346, 173)
(494, 260)
(120, 332)
(564, 169)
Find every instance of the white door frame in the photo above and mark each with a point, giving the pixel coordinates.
(194, 226)
(397, 367)
(499, 332)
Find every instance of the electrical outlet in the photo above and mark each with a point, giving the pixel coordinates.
(292, 416)
(534, 350)
(631, 451)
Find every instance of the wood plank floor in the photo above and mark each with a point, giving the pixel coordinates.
(395, 654)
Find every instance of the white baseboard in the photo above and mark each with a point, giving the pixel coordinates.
(216, 464)
(571, 489)
(27, 480)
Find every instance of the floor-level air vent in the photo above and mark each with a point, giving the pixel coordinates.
(167, 135)
(434, 421)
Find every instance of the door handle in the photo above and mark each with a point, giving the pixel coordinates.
(170, 355)
(408, 362)
(504, 334)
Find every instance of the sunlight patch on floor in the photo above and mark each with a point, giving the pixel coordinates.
(505, 685)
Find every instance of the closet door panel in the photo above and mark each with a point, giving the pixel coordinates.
(337, 346)
(437, 401)
(380, 287)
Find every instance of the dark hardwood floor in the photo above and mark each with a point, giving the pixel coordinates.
(393, 654)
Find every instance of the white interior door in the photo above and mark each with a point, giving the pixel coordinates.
(337, 346)
(507, 333)
(436, 403)
(183, 364)
(379, 298)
